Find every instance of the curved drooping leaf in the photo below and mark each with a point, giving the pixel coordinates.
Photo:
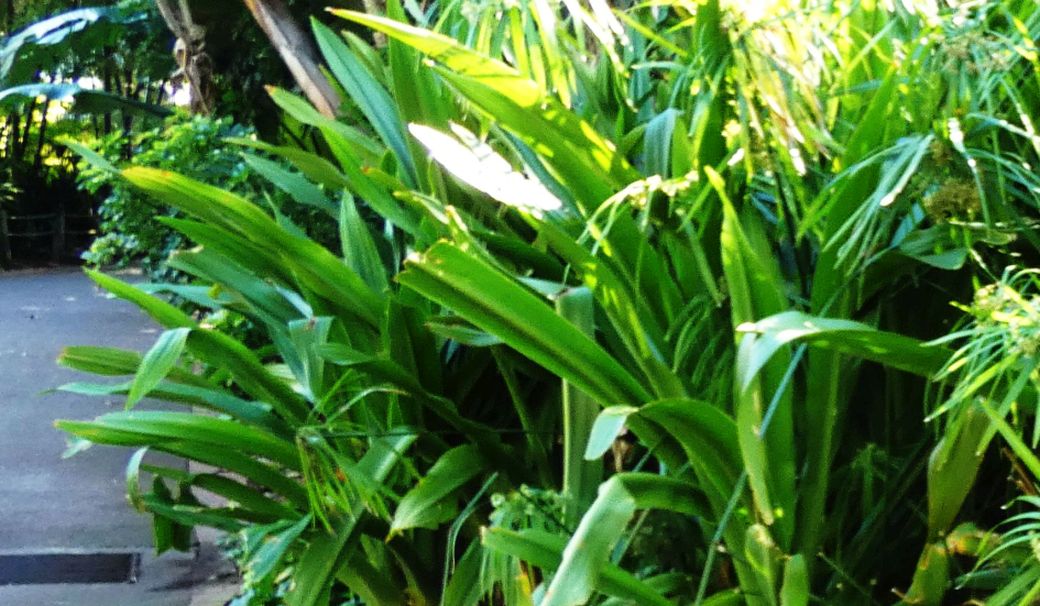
(430, 502)
(765, 337)
(143, 428)
(167, 315)
(113, 362)
(605, 429)
(316, 267)
(252, 413)
(157, 363)
(545, 550)
(602, 526)
(492, 301)
(708, 436)
(85, 100)
(53, 30)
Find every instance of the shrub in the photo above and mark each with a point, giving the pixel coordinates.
(194, 145)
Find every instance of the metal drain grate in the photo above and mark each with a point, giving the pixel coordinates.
(43, 568)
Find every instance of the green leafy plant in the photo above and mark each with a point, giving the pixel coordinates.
(334, 439)
(664, 267)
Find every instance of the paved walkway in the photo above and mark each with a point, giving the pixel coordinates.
(48, 504)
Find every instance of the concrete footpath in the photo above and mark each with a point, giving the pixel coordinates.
(73, 506)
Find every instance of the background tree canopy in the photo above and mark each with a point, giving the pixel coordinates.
(112, 69)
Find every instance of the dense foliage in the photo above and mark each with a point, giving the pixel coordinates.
(107, 72)
(87, 71)
(192, 145)
(640, 306)
(195, 146)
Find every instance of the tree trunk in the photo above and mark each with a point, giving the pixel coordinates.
(14, 124)
(190, 51)
(294, 46)
(26, 132)
(42, 139)
(106, 83)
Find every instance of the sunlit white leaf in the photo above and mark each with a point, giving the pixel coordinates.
(476, 164)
